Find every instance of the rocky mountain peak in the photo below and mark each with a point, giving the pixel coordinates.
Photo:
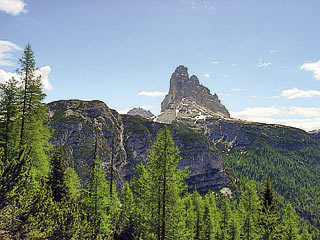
(141, 112)
(189, 98)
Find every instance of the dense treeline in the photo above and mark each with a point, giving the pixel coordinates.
(295, 175)
(41, 197)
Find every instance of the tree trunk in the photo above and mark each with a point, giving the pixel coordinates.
(24, 107)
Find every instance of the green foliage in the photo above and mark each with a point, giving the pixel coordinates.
(98, 203)
(290, 230)
(249, 208)
(57, 177)
(10, 94)
(294, 174)
(33, 131)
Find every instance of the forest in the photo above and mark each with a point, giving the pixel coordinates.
(41, 196)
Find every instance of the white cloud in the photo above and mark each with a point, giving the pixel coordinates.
(263, 64)
(254, 96)
(273, 51)
(225, 95)
(5, 76)
(14, 7)
(215, 62)
(44, 72)
(307, 118)
(304, 111)
(297, 93)
(226, 75)
(206, 75)
(6, 50)
(237, 89)
(307, 124)
(274, 97)
(313, 67)
(152, 94)
(233, 65)
(258, 112)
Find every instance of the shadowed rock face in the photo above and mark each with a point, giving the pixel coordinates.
(186, 95)
(76, 124)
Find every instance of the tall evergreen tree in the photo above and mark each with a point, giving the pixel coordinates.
(199, 215)
(189, 218)
(225, 219)
(98, 202)
(144, 206)
(9, 108)
(33, 131)
(249, 207)
(166, 181)
(269, 219)
(57, 177)
(126, 226)
(290, 229)
(211, 216)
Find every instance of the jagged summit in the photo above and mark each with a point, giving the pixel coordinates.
(141, 112)
(187, 98)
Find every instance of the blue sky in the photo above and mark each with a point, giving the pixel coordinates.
(261, 57)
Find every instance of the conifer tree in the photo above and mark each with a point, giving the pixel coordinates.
(208, 221)
(9, 108)
(249, 212)
(290, 230)
(199, 215)
(98, 203)
(127, 213)
(269, 219)
(33, 131)
(305, 235)
(189, 216)
(67, 214)
(167, 183)
(225, 219)
(211, 217)
(57, 177)
(144, 207)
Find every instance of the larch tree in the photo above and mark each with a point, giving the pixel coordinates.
(9, 109)
(290, 229)
(33, 131)
(167, 182)
(249, 207)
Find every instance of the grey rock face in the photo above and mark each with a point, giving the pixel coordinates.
(76, 124)
(141, 112)
(186, 96)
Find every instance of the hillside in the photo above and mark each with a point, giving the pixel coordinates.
(219, 151)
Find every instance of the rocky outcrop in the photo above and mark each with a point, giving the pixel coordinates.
(187, 98)
(140, 112)
(76, 124)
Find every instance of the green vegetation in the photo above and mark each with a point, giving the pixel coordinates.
(41, 197)
(295, 175)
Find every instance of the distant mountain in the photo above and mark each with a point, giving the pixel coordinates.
(141, 112)
(187, 98)
(220, 151)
